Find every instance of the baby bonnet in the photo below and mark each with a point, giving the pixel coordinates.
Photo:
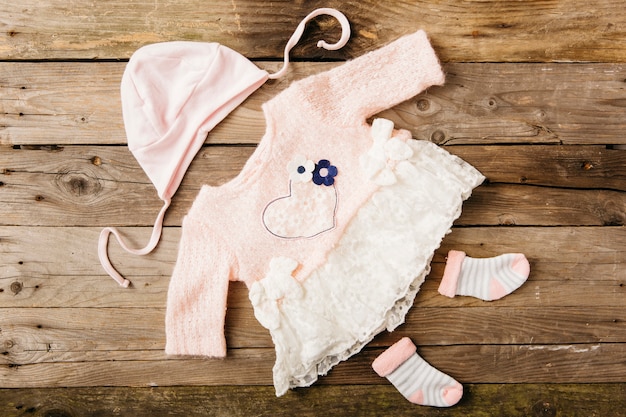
(173, 94)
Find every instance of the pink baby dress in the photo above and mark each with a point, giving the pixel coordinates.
(332, 222)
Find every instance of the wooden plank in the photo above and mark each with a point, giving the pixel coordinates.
(554, 284)
(584, 167)
(552, 166)
(58, 103)
(531, 206)
(87, 186)
(58, 267)
(490, 205)
(512, 400)
(54, 335)
(519, 103)
(513, 98)
(581, 363)
(477, 31)
(36, 256)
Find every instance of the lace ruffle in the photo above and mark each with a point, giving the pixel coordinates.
(371, 276)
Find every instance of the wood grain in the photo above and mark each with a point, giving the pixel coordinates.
(87, 186)
(558, 284)
(592, 363)
(514, 400)
(70, 251)
(45, 335)
(485, 31)
(534, 98)
(62, 103)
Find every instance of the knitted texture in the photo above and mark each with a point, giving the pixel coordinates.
(414, 378)
(317, 221)
(485, 278)
(372, 274)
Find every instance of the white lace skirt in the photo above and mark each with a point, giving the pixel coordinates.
(371, 276)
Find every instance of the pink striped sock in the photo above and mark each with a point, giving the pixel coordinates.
(414, 378)
(487, 278)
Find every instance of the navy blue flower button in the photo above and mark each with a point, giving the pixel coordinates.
(324, 173)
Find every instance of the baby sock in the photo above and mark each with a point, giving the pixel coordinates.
(414, 378)
(487, 278)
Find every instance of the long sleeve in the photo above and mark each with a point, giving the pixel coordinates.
(368, 84)
(196, 303)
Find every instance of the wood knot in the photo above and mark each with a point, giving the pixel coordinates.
(423, 104)
(16, 287)
(78, 184)
(438, 137)
(96, 160)
(492, 103)
(587, 165)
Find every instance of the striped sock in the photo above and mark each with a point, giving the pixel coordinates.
(487, 278)
(414, 378)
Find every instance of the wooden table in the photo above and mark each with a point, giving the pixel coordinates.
(535, 98)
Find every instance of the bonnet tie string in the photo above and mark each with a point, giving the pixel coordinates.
(297, 34)
(104, 240)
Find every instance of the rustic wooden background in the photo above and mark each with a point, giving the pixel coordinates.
(535, 98)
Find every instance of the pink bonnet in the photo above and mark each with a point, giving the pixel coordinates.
(173, 94)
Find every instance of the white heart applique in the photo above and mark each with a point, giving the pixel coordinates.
(309, 208)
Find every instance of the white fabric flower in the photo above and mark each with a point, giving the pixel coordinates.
(300, 169)
(386, 152)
